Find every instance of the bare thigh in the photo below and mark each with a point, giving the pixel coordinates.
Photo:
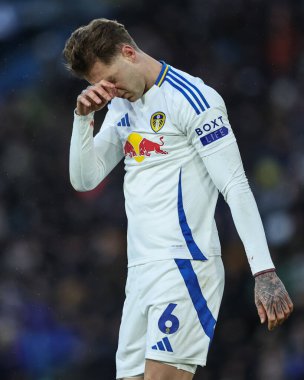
(160, 371)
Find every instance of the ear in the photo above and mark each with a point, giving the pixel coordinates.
(128, 52)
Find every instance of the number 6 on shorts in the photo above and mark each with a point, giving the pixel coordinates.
(168, 323)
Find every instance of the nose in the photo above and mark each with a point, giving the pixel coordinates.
(121, 93)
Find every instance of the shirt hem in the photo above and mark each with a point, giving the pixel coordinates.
(132, 263)
(176, 360)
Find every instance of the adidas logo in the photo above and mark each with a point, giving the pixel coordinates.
(124, 122)
(163, 345)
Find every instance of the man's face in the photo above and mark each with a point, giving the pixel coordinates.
(123, 73)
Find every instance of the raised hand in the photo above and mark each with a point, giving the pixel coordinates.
(95, 97)
(271, 299)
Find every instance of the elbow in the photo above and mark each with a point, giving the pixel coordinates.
(82, 186)
(237, 189)
(85, 180)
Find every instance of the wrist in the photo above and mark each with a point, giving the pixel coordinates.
(88, 115)
(263, 272)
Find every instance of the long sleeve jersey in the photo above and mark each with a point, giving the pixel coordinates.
(179, 152)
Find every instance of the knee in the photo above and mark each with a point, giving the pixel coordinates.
(155, 374)
(158, 372)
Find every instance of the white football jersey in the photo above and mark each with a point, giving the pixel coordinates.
(170, 198)
(167, 137)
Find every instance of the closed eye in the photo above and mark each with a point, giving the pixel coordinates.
(111, 79)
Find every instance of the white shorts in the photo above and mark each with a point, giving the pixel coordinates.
(169, 314)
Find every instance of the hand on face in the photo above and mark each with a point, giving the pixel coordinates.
(95, 97)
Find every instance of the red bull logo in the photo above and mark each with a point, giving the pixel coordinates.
(138, 147)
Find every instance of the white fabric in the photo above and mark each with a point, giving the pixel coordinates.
(91, 160)
(150, 289)
(196, 151)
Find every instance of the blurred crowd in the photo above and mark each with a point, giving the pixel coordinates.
(63, 253)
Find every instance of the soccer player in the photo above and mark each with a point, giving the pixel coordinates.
(179, 151)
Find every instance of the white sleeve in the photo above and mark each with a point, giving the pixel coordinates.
(92, 158)
(227, 173)
(212, 136)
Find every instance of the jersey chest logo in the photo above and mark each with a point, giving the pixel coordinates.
(157, 121)
(138, 147)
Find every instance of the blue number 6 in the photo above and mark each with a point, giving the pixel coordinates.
(168, 323)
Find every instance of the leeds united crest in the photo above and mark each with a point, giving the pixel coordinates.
(157, 121)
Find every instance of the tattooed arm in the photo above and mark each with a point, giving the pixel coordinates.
(271, 299)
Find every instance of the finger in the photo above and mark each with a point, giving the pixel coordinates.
(91, 95)
(114, 92)
(261, 313)
(82, 99)
(287, 305)
(272, 323)
(111, 91)
(106, 83)
(103, 93)
(290, 304)
(280, 315)
(286, 309)
(272, 320)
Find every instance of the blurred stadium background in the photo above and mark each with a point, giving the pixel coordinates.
(63, 253)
